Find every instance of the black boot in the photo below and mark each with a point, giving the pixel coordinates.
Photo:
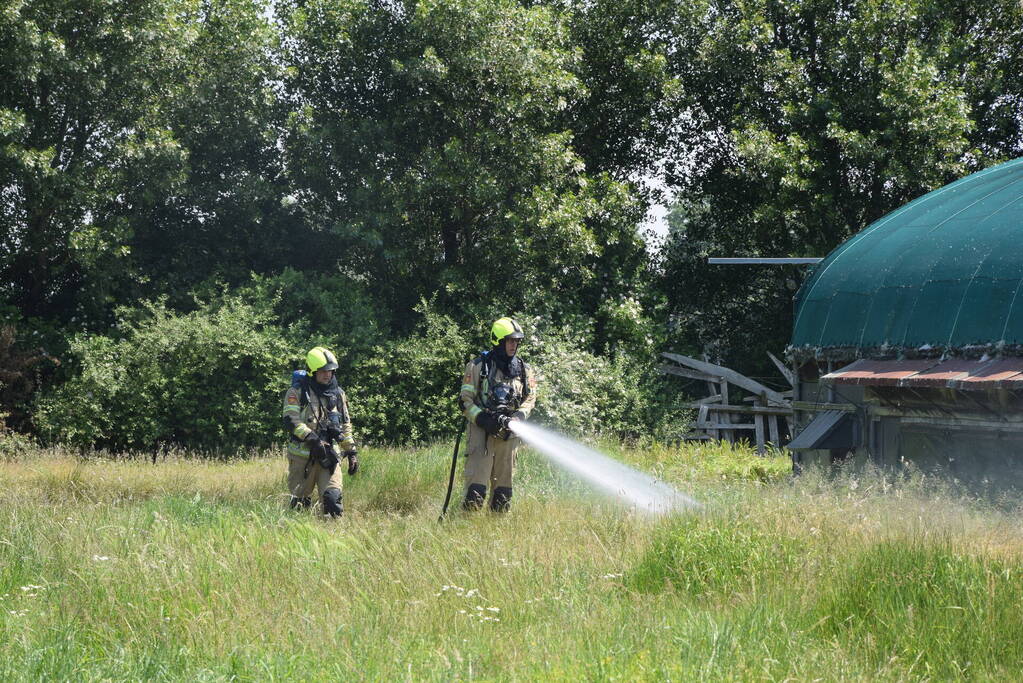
(332, 504)
(475, 496)
(303, 503)
(501, 500)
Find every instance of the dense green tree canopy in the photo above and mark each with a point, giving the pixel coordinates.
(226, 219)
(83, 147)
(429, 137)
(139, 152)
(340, 164)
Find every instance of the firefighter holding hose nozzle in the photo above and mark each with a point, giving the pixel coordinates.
(497, 389)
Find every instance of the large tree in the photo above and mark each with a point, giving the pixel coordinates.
(819, 116)
(83, 145)
(634, 60)
(230, 215)
(138, 153)
(429, 135)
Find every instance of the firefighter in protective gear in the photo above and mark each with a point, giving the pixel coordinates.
(316, 418)
(498, 387)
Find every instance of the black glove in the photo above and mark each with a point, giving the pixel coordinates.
(353, 461)
(312, 437)
(316, 451)
(487, 421)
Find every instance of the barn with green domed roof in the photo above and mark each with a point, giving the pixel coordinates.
(908, 338)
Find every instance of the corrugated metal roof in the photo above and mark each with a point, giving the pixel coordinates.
(945, 270)
(938, 376)
(878, 372)
(956, 373)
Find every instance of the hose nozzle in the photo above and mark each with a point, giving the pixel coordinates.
(506, 425)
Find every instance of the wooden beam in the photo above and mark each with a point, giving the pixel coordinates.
(729, 375)
(812, 406)
(751, 410)
(716, 398)
(721, 425)
(783, 369)
(939, 422)
(725, 417)
(687, 373)
(758, 423)
(759, 401)
(702, 417)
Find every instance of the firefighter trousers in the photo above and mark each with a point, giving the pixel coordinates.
(489, 460)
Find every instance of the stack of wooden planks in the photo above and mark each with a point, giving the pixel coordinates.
(718, 418)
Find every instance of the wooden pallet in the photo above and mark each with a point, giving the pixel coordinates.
(719, 419)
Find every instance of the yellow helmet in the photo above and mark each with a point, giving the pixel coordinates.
(320, 358)
(504, 328)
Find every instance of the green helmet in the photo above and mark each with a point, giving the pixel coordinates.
(320, 359)
(504, 328)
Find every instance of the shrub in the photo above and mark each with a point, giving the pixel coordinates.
(211, 379)
(407, 390)
(14, 445)
(667, 412)
(580, 392)
(334, 308)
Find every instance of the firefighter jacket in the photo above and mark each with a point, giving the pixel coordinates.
(482, 374)
(310, 408)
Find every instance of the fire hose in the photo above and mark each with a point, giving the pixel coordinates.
(451, 478)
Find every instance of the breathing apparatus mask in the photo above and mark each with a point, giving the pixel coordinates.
(503, 401)
(503, 398)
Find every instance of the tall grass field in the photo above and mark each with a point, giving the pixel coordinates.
(192, 569)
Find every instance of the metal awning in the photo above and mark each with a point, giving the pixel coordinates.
(829, 429)
(955, 373)
(755, 261)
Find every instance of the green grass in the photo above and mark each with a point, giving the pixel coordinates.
(193, 569)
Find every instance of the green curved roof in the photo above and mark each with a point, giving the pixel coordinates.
(944, 270)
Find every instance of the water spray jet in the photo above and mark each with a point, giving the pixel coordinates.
(607, 475)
